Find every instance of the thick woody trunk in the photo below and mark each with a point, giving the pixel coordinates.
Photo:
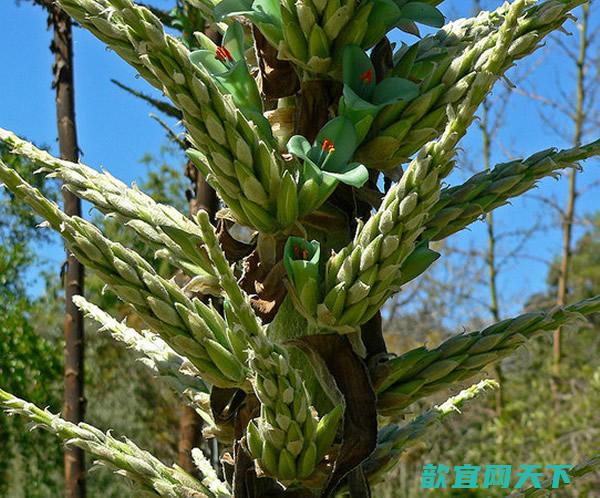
(74, 401)
(569, 214)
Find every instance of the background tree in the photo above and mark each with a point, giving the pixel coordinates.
(74, 398)
(578, 108)
(73, 394)
(568, 217)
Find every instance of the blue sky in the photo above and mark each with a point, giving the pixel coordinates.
(115, 130)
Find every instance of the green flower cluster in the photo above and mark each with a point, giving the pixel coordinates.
(314, 33)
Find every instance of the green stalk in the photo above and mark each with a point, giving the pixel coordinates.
(394, 439)
(174, 235)
(181, 375)
(463, 204)
(421, 372)
(284, 438)
(238, 161)
(146, 471)
(579, 470)
(187, 325)
(221, 268)
(446, 64)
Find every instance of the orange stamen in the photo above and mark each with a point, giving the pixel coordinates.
(300, 253)
(223, 55)
(367, 76)
(328, 146)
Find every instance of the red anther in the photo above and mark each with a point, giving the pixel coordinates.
(328, 146)
(367, 76)
(223, 55)
(300, 253)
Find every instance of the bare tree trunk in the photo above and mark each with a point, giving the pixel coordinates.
(74, 401)
(487, 131)
(569, 215)
(491, 251)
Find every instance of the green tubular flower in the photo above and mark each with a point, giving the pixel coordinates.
(265, 14)
(419, 13)
(313, 34)
(327, 162)
(301, 260)
(363, 98)
(226, 63)
(404, 14)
